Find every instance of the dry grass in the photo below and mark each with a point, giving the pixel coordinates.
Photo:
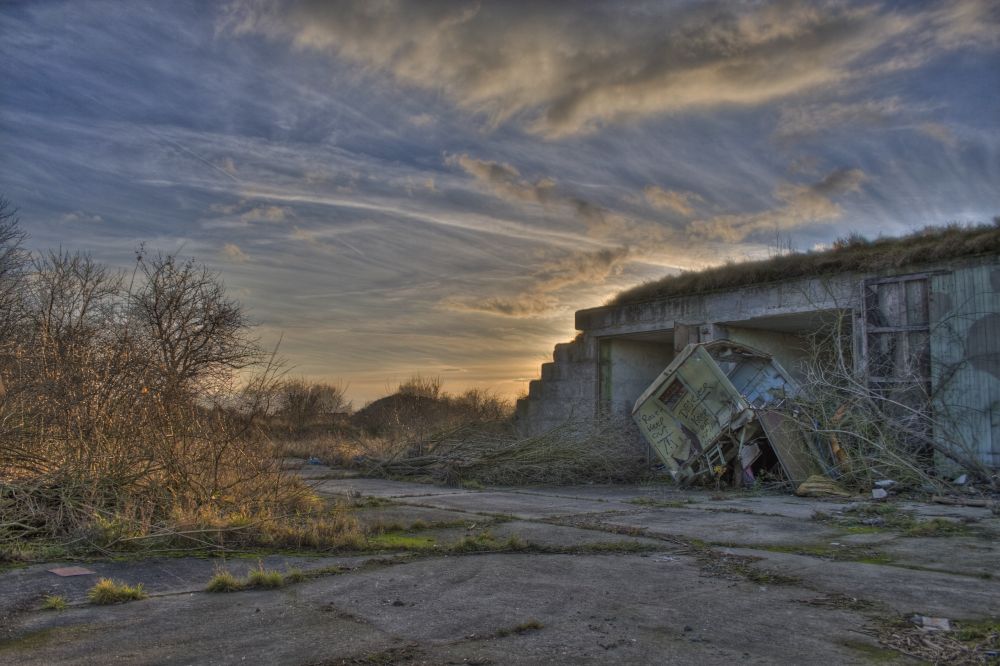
(472, 456)
(266, 578)
(224, 581)
(54, 602)
(854, 253)
(108, 591)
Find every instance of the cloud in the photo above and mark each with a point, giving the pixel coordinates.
(799, 121)
(265, 214)
(587, 267)
(800, 205)
(244, 213)
(228, 165)
(938, 131)
(506, 182)
(77, 216)
(671, 200)
(233, 253)
(421, 119)
(560, 73)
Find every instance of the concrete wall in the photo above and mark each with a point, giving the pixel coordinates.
(626, 369)
(965, 358)
(567, 389)
(758, 301)
(789, 349)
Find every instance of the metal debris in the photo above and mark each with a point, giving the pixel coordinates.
(720, 403)
(932, 623)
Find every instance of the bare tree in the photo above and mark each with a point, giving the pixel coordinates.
(197, 335)
(13, 261)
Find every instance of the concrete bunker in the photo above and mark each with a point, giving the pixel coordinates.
(924, 329)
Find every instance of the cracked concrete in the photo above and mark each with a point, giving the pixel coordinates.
(680, 592)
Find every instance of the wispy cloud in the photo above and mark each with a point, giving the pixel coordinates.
(800, 205)
(681, 203)
(581, 268)
(805, 120)
(563, 73)
(938, 131)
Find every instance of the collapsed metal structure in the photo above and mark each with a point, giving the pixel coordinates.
(719, 403)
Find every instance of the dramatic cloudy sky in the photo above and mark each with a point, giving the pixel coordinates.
(434, 187)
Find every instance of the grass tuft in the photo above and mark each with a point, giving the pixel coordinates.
(224, 581)
(108, 591)
(266, 578)
(54, 602)
(295, 576)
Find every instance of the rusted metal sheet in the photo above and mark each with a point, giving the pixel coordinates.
(694, 413)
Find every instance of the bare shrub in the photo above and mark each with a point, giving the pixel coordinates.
(419, 408)
(421, 387)
(123, 421)
(301, 404)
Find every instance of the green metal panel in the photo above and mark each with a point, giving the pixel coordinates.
(686, 409)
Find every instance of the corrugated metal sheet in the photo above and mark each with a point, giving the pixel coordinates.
(965, 359)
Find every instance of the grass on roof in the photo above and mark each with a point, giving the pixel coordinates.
(854, 253)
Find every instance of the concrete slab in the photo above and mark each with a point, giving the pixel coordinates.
(904, 590)
(564, 536)
(383, 488)
(253, 627)
(406, 516)
(788, 506)
(969, 556)
(590, 611)
(605, 492)
(666, 606)
(521, 505)
(28, 586)
(725, 528)
(594, 610)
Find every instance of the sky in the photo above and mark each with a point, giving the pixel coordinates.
(395, 188)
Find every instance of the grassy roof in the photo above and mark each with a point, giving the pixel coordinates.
(854, 253)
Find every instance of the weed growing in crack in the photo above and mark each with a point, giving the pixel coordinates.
(108, 591)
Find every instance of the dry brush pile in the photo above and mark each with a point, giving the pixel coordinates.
(578, 451)
(129, 407)
(867, 433)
